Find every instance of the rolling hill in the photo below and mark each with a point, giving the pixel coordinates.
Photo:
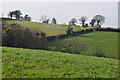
(102, 42)
(27, 63)
(49, 29)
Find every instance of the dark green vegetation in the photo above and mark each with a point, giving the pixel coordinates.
(101, 44)
(15, 35)
(27, 63)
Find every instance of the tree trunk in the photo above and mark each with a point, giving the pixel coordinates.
(98, 22)
(83, 24)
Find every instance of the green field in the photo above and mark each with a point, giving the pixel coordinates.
(49, 29)
(27, 63)
(105, 42)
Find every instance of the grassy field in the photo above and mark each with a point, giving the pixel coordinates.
(49, 29)
(27, 63)
(104, 42)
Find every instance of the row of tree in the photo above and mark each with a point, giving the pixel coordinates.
(44, 19)
(98, 20)
(17, 14)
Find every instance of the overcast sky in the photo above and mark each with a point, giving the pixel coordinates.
(64, 11)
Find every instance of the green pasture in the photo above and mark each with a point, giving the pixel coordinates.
(28, 63)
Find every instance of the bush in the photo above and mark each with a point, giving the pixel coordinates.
(98, 52)
(72, 46)
(69, 31)
(15, 35)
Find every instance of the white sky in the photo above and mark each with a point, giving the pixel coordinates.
(64, 11)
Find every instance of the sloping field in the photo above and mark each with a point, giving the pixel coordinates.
(27, 63)
(105, 43)
(49, 29)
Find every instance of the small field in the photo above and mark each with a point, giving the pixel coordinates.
(49, 29)
(27, 63)
(96, 42)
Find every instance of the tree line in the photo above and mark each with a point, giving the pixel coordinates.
(44, 19)
(97, 20)
(17, 14)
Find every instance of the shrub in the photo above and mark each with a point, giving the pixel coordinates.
(86, 25)
(42, 34)
(72, 46)
(69, 31)
(98, 52)
(17, 36)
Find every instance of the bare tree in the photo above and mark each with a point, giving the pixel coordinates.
(11, 13)
(27, 18)
(83, 19)
(99, 19)
(92, 22)
(43, 18)
(73, 21)
(17, 14)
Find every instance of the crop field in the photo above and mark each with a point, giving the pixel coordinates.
(98, 41)
(49, 29)
(27, 63)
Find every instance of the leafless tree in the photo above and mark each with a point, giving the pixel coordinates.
(43, 18)
(92, 22)
(99, 19)
(83, 19)
(73, 21)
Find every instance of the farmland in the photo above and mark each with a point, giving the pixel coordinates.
(59, 40)
(27, 63)
(96, 42)
(105, 42)
(49, 29)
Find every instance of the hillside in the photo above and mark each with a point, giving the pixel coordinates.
(49, 29)
(27, 63)
(105, 43)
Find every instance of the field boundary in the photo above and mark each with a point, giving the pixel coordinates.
(75, 33)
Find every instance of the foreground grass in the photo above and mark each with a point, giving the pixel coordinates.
(27, 63)
(96, 42)
(49, 29)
